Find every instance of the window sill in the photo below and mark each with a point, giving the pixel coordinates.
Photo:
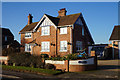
(63, 51)
(45, 51)
(27, 51)
(45, 35)
(62, 33)
(28, 37)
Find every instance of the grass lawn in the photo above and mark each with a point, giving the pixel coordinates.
(32, 70)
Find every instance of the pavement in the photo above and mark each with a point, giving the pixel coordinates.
(107, 69)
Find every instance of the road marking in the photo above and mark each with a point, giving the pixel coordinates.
(8, 76)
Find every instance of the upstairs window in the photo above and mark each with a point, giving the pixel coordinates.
(27, 47)
(63, 45)
(63, 30)
(78, 45)
(5, 38)
(28, 35)
(82, 31)
(45, 30)
(45, 46)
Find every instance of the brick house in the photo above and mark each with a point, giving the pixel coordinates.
(61, 35)
(115, 42)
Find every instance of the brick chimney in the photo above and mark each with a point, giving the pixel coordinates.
(62, 12)
(30, 19)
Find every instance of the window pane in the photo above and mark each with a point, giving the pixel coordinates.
(63, 30)
(45, 30)
(63, 45)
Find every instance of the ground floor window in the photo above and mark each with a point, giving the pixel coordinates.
(63, 45)
(78, 45)
(27, 47)
(45, 46)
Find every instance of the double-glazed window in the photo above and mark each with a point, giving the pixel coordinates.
(63, 45)
(45, 30)
(78, 45)
(63, 30)
(27, 47)
(45, 46)
(28, 35)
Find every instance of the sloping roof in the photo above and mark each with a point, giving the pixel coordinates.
(58, 21)
(68, 20)
(65, 20)
(116, 33)
(29, 27)
(6, 32)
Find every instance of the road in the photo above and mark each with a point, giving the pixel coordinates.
(106, 69)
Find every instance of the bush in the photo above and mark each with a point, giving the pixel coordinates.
(8, 51)
(26, 59)
(44, 55)
(50, 66)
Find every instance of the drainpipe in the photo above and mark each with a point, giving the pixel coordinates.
(56, 41)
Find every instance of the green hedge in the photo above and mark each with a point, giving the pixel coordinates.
(29, 69)
(25, 59)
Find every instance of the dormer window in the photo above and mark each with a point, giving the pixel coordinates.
(28, 35)
(45, 30)
(63, 30)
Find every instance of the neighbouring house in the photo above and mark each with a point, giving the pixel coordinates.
(115, 42)
(7, 37)
(61, 35)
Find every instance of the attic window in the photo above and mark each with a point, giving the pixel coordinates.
(28, 35)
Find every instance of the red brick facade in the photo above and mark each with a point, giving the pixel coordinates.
(74, 33)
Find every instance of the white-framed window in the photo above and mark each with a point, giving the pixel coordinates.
(45, 46)
(82, 31)
(27, 47)
(28, 35)
(78, 45)
(63, 46)
(45, 30)
(5, 38)
(63, 30)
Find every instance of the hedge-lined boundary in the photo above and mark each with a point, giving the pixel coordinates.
(31, 70)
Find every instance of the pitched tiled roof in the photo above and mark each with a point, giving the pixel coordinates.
(68, 20)
(6, 32)
(116, 33)
(58, 21)
(29, 27)
(65, 20)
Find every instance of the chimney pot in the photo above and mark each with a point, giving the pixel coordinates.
(62, 12)
(30, 19)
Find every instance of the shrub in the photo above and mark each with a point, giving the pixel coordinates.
(44, 55)
(50, 66)
(26, 59)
